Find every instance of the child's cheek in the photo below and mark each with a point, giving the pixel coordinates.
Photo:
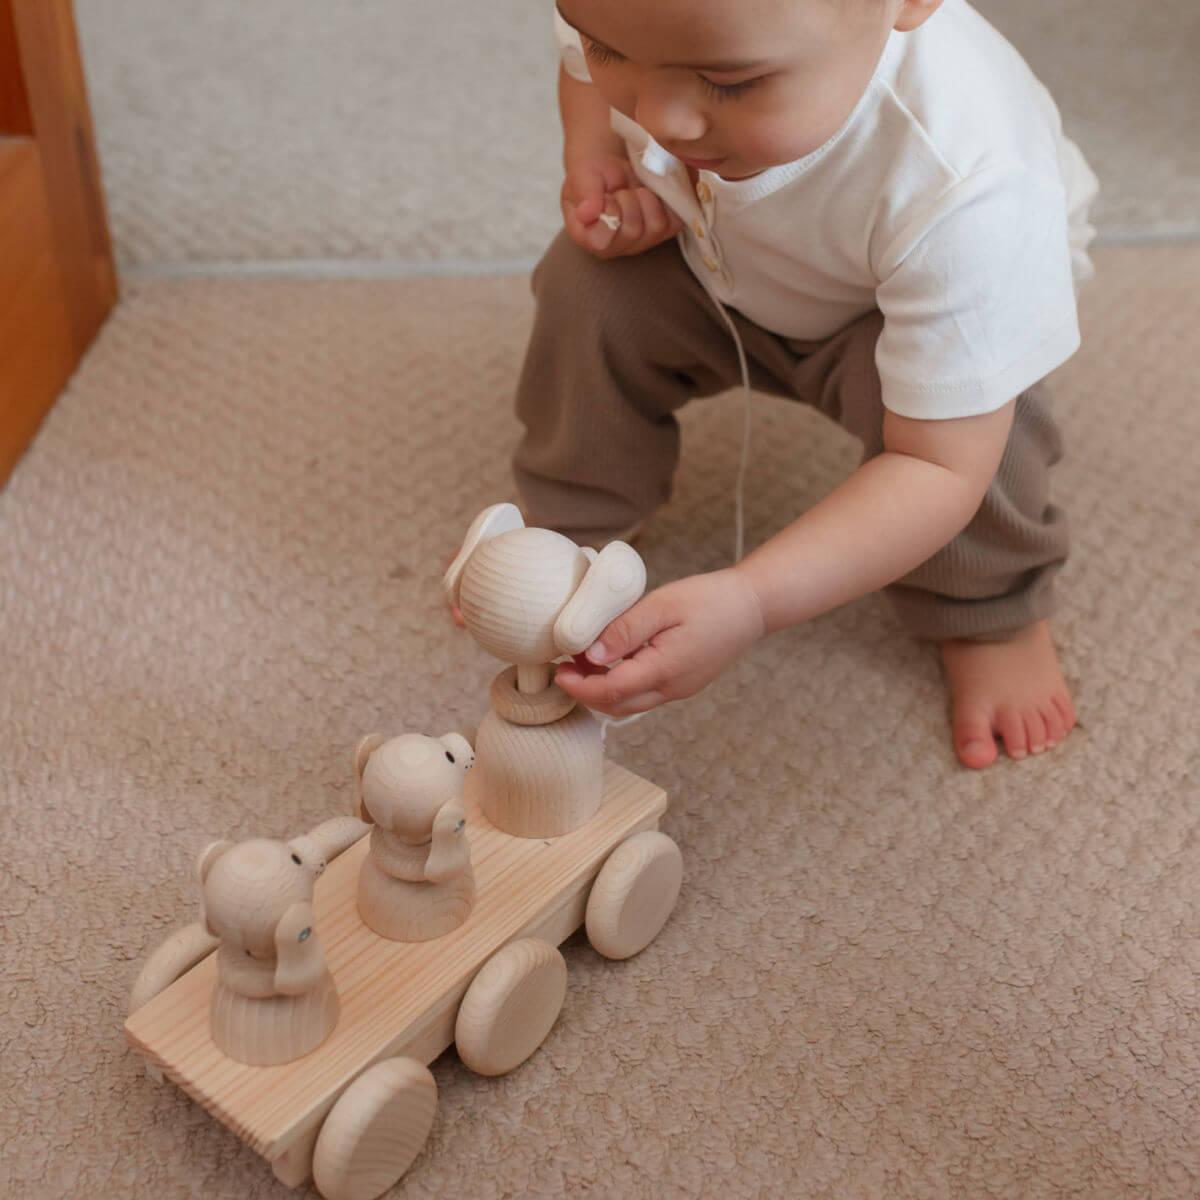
(770, 139)
(622, 98)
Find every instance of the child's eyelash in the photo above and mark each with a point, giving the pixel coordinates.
(727, 91)
(601, 55)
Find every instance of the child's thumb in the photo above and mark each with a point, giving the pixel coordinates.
(631, 630)
(588, 209)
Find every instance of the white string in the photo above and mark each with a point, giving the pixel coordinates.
(739, 492)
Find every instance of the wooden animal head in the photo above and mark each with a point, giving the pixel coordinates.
(529, 596)
(257, 898)
(412, 786)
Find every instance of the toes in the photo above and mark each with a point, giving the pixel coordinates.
(1012, 729)
(973, 741)
(1066, 709)
(1035, 727)
(1056, 728)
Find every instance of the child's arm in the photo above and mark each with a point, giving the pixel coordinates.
(891, 515)
(600, 180)
(587, 132)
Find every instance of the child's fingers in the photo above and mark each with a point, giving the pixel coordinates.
(590, 207)
(615, 173)
(632, 223)
(602, 234)
(586, 184)
(643, 702)
(577, 231)
(605, 690)
(655, 215)
(593, 236)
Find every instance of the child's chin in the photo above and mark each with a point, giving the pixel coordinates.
(737, 172)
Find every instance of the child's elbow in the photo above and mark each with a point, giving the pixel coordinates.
(970, 448)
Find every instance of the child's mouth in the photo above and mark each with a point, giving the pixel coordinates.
(700, 164)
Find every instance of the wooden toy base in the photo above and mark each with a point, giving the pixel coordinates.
(398, 999)
(273, 1029)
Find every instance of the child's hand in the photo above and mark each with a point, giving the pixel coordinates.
(674, 642)
(606, 185)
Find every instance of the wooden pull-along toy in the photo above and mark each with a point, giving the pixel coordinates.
(309, 1030)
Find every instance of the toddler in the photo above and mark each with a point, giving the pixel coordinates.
(881, 194)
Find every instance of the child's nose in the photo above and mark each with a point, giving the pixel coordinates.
(669, 117)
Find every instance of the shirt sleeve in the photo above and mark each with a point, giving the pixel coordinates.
(977, 297)
(570, 50)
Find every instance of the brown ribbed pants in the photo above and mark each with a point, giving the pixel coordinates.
(619, 345)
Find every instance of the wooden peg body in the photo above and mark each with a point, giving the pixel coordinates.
(274, 999)
(537, 778)
(531, 596)
(417, 882)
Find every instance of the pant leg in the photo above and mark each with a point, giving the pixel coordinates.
(995, 577)
(617, 347)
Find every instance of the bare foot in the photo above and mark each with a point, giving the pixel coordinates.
(1013, 690)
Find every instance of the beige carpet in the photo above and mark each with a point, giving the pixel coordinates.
(411, 130)
(886, 977)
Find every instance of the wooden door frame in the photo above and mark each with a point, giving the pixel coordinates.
(61, 278)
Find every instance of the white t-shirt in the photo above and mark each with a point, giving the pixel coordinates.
(950, 200)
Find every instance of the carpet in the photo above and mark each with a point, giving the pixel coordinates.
(886, 976)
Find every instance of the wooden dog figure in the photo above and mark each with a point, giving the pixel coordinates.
(274, 999)
(531, 596)
(417, 883)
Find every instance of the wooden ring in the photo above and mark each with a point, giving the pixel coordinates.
(528, 708)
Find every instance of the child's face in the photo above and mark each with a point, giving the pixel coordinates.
(735, 86)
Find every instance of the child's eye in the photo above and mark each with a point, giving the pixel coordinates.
(728, 91)
(598, 53)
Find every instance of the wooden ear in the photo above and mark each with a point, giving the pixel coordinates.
(204, 864)
(208, 856)
(308, 852)
(449, 854)
(299, 960)
(493, 521)
(362, 752)
(614, 582)
(459, 748)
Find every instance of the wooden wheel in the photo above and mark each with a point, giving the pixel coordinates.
(510, 1006)
(375, 1130)
(175, 957)
(634, 894)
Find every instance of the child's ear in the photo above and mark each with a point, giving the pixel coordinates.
(362, 752)
(613, 583)
(493, 521)
(299, 961)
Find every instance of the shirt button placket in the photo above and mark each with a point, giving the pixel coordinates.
(710, 250)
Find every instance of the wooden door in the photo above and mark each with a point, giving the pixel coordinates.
(57, 281)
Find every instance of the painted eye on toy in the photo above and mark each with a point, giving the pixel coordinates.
(449, 756)
(296, 859)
